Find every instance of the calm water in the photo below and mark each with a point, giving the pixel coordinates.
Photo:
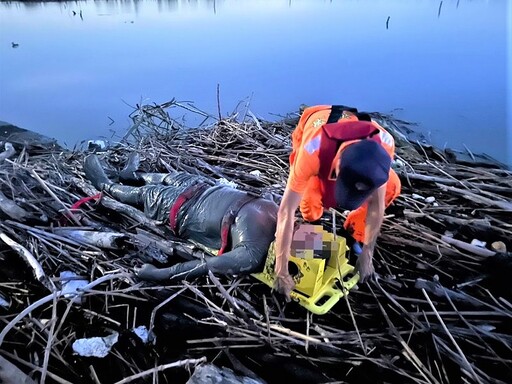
(442, 64)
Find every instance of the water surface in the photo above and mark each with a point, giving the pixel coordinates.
(80, 66)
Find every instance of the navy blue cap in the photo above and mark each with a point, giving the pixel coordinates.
(364, 168)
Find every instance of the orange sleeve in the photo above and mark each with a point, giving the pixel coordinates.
(387, 140)
(304, 164)
(298, 133)
(311, 205)
(355, 223)
(394, 187)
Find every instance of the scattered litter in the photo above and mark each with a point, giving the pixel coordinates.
(256, 173)
(142, 332)
(499, 246)
(415, 196)
(486, 327)
(430, 199)
(478, 243)
(95, 346)
(71, 283)
(397, 164)
(227, 182)
(96, 145)
(4, 303)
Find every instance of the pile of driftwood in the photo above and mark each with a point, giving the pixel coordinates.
(437, 311)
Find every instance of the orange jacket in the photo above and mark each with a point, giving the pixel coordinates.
(305, 159)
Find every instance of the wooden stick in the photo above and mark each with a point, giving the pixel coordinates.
(49, 342)
(9, 373)
(468, 247)
(289, 332)
(50, 192)
(355, 324)
(37, 269)
(227, 296)
(166, 301)
(181, 363)
(467, 365)
(50, 297)
(502, 204)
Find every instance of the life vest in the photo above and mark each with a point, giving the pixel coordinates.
(335, 137)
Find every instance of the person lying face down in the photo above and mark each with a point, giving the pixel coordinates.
(217, 216)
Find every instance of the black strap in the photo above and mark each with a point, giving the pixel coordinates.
(337, 112)
(363, 116)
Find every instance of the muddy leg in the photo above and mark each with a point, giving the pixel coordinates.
(95, 173)
(182, 271)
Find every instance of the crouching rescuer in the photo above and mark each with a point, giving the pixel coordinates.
(340, 159)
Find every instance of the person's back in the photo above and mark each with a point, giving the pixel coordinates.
(249, 219)
(306, 159)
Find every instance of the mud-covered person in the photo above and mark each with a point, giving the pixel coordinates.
(214, 215)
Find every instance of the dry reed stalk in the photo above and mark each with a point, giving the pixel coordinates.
(469, 202)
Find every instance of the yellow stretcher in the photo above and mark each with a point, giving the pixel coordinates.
(319, 267)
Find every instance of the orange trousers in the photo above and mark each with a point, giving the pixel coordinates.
(356, 220)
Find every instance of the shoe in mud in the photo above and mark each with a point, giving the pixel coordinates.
(95, 173)
(129, 172)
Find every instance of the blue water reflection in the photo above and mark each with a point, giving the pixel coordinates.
(441, 64)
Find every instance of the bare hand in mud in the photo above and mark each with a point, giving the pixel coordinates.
(152, 273)
(364, 266)
(284, 284)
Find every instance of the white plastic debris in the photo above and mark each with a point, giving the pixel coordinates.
(142, 332)
(415, 196)
(256, 173)
(4, 303)
(71, 284)
(430, 199)
(97, 144)
(227, 182)
(398, 163)
(478, 243)
(95, 346)
(486, 327)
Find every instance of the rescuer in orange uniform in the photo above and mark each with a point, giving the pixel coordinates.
(341, 159)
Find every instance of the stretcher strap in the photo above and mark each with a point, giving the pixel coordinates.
(85, 200)
(77, 205)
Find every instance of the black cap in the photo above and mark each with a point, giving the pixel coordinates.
(364, 168)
